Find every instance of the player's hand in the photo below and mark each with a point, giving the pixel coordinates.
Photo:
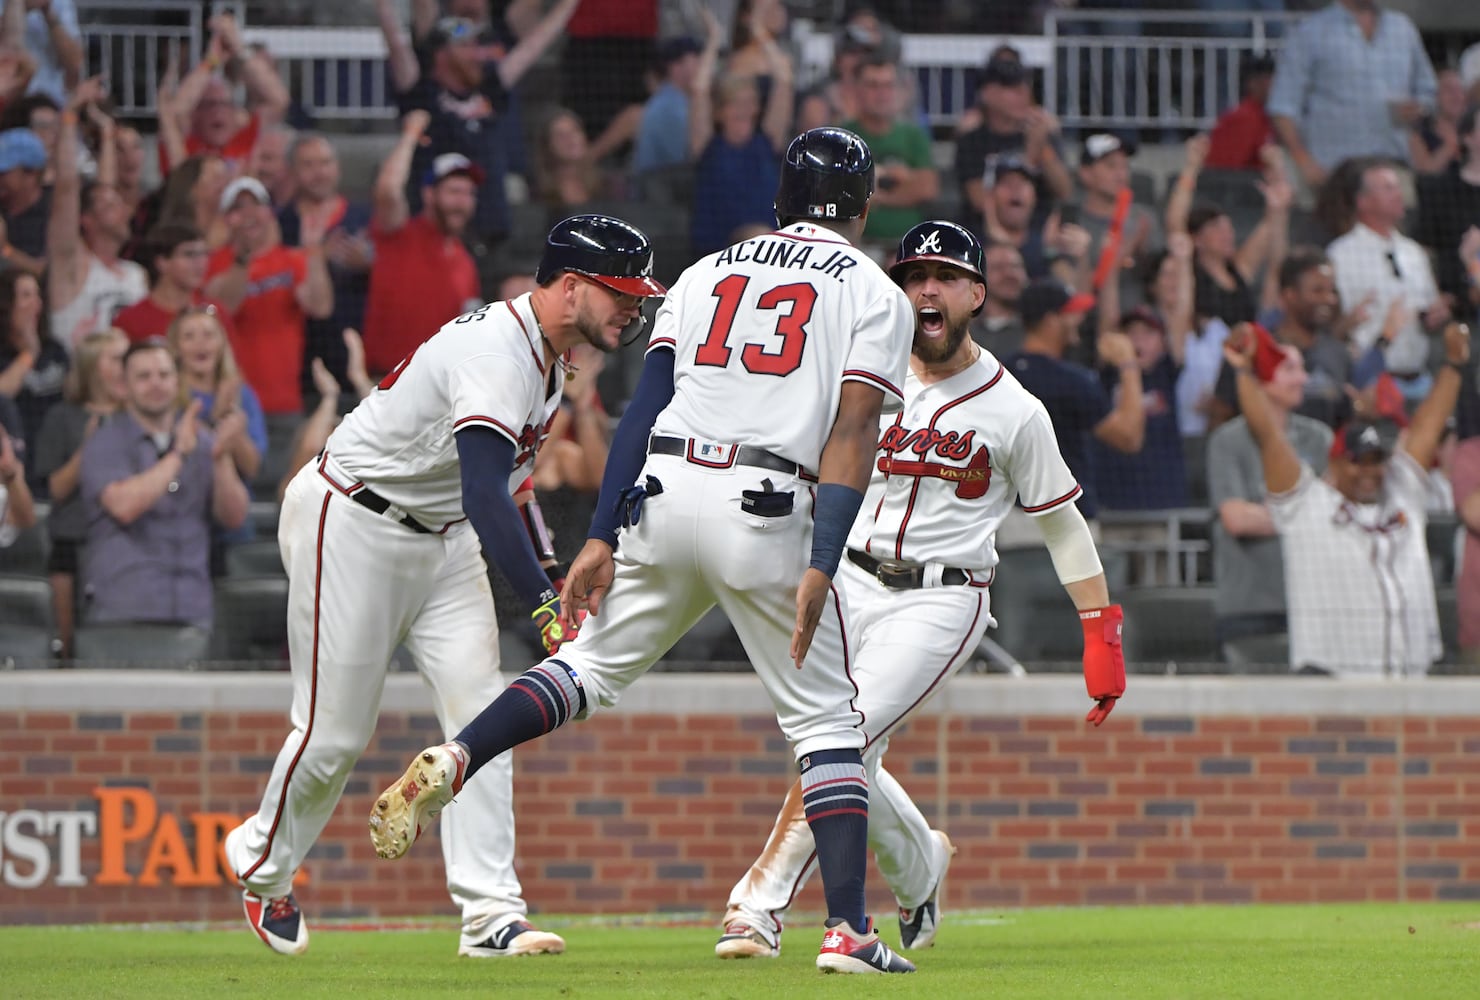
(811, 592)
(1104, 663)
(587, 581)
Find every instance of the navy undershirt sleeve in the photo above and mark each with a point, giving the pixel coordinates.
(487, 459)
(628, 452)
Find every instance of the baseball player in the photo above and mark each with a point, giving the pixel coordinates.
(381, 534)
(736, 472)
(970, 442)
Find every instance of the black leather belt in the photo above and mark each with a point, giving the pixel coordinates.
(903, 578)
(373, 501)
(745, 454)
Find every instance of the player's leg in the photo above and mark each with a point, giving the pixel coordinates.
(756, 564)
(655, 597)
(454, 641)
(351, 588)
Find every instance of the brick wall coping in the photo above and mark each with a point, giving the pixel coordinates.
(741, 694)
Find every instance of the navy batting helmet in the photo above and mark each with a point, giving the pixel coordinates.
(606, 250)
(827, 173)
(944, 242)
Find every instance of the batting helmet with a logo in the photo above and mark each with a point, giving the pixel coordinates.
(943, 242)
(827, 173)
(604, 249)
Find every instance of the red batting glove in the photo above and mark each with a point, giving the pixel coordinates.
(1104, 664)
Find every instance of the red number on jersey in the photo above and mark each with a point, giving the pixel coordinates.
(791, 326)
(395, 373)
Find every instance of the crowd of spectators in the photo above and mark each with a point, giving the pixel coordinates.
(247, 270)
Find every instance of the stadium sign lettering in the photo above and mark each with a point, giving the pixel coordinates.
(37, 847)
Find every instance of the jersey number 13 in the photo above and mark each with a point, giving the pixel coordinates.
(791, 327)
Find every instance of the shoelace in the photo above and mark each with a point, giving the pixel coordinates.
(281, 908)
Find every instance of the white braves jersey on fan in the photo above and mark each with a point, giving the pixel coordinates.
(485, 368)
(952, 463)
(774, 325)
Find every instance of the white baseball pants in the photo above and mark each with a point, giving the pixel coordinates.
(694, 548)
(907, 644)
(359, 586)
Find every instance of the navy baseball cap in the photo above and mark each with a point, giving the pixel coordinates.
(671, 50)
(1048, 296)
(1365, 438)
(1000, 166)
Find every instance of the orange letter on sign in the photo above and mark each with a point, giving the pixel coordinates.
(114, 830)
(168, 850)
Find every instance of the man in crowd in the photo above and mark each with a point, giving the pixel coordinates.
(348, 250)
(176, 257)
(1104, 172)
(1374, 261)
(999, 328)
(663, 134)
(905, 175)
(47, 30)
(1357, 576)
(1010, 123)
(1352, 79)
(1448, 208)
(270, 291)
(153, 488)
(423, 276)
(87, 282)
(1247, 564)
(25, 203)
(1076, 401)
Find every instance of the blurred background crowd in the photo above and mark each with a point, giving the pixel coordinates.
(216, 240)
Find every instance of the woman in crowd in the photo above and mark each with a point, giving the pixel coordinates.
(192, 195)
(568, 176)
(228, 405)
(1434, 144)
(94, 390)
(33, 364)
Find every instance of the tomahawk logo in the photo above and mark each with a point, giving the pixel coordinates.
(1370, 438)
(930, 244)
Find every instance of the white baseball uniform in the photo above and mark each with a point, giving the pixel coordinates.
(764, 334)
(950, 467)
(361, 583)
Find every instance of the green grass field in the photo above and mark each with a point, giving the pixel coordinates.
(1382, 951)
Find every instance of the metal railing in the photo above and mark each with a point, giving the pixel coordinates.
(1144, 69)
(1102, 69)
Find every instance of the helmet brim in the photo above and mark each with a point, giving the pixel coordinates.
(955, 262)
(640, 286)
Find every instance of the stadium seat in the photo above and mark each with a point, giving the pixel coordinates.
(1440, 538)
(1168, 625)
(251, 621)
(666, 186)
(141, 645)
(248, 559)
(25, 600)
(28, 554)
(263, 516)
(1035, 619)
(24, 647)
(1258, 654)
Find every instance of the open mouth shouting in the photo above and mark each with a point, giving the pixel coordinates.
(931, 321)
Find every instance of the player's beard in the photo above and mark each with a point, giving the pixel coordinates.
(935, 350)
(594, 333)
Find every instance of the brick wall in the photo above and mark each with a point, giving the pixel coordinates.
(651, 808)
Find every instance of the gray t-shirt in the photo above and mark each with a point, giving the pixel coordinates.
(1002, 336)
(61, 435)
(1250, 572)
(156, 569)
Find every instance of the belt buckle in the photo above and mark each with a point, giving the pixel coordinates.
(896, 577)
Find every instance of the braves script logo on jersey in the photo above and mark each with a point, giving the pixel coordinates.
(530, 438)
(971, 479)
(930, 244)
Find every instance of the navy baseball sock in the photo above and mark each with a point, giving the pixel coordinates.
(835, 797)
(539, 701)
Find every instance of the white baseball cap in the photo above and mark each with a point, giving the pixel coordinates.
(1469, 66)
(244, 185)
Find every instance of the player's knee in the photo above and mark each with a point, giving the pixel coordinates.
(327, 758)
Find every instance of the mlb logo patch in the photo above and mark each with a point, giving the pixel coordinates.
(712, 453)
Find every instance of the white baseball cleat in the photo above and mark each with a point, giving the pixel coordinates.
(917, 927)
(740, 940)
(408, 807)
(517, 938)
